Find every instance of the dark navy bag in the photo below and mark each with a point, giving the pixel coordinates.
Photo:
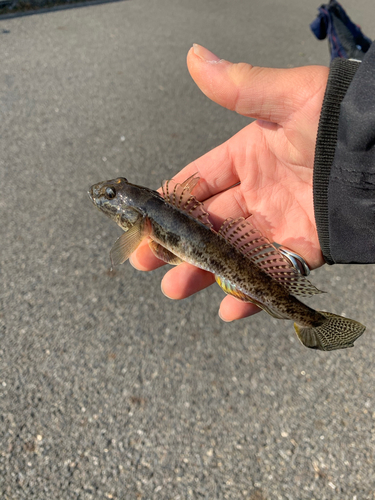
(345, 38)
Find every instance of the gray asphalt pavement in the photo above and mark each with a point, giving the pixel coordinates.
(107, 388)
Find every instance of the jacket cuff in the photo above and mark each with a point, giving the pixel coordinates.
(341, 74)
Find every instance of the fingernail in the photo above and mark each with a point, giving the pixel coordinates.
(222, 319)
(163, 292)
(131, 262)
(205, 54)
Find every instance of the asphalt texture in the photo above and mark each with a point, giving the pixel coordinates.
(107, 388)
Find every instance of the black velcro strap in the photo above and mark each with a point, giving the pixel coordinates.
(341, 74)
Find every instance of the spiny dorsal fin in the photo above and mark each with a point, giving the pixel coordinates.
(257, 248)
(179, 195)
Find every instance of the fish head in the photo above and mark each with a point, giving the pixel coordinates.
(116, 199)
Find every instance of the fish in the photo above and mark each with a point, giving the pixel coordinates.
(245, 263)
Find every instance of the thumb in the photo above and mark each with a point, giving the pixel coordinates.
(262, 93)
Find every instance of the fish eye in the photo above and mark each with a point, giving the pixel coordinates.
(110, 193)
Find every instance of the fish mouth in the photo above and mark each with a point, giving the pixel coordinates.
(90, 193)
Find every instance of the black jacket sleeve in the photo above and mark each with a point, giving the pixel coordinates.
(344, 167)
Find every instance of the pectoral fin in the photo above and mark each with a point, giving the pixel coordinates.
(128, 242)
(163, 254)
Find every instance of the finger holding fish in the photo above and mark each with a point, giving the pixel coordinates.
(185, 280)
(143, 259)
(232, 309)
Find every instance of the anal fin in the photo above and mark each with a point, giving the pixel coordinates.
(232, 290)
(228, 288)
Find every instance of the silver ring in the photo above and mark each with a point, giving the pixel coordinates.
(296, 260)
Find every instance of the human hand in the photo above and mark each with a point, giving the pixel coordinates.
(272, 159)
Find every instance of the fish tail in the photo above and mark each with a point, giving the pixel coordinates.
(335, 332)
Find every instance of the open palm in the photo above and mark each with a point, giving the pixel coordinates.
(268, 164)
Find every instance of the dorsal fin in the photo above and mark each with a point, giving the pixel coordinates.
(260, 251)
(179, 195)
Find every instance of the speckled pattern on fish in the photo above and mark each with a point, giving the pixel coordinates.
(244, 262)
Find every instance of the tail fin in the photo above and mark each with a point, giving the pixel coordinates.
(336, 332)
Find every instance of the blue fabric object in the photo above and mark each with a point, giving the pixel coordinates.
(345, 38)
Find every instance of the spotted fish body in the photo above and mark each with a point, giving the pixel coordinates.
(244, 262)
